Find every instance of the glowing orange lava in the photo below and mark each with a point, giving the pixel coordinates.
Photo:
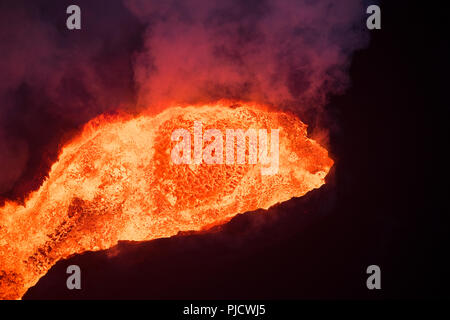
(116, 181)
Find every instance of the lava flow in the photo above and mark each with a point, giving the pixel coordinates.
(116, 181)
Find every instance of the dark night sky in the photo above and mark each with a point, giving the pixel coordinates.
(384, 203)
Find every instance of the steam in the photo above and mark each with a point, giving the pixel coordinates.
(273, 51)
(13, 159)
(53, 80)
(139, 54)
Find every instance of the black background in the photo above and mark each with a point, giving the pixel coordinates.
(385, 203)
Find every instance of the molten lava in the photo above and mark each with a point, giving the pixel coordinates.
(116, 181)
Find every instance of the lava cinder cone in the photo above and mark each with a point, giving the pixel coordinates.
(117, 181)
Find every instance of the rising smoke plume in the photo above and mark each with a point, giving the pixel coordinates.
(136, 55)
